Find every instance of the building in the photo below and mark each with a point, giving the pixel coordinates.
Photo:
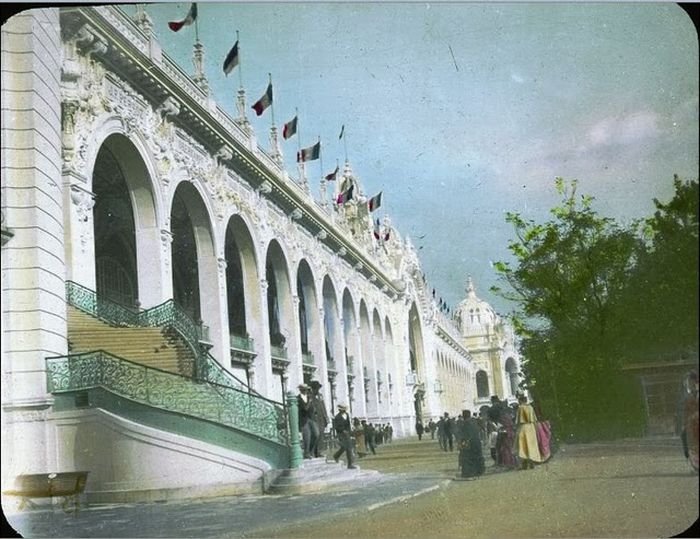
(167, 283)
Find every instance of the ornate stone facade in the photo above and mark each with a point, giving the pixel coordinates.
(354, 312)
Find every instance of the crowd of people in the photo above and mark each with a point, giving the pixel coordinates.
(513, 434)
(355, 437)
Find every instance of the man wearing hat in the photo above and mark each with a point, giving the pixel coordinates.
(304, 404)
(341, 423)
(318, 418)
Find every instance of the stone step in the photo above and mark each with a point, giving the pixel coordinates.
(299, 481)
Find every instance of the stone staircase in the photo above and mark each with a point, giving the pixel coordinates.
(160, 348)
(320, 474)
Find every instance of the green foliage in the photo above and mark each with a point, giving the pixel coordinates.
(588, 292)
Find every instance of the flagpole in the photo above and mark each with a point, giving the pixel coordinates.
(345, 143)
(296, 115)
(196, 29)
(320, 157)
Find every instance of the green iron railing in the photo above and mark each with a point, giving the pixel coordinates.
(168, 391)
(242, 343)
(278, 351)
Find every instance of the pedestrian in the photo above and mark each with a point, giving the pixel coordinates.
(304, 405)
(432, 427)
(341, 424)
(369, 436)
(441, 433)
(449, 431)
(471, 457)
(526, 439)
(390, 432)
(359, 433)
(690, 419)
(318, 418)
(492, 434)
(419, 429)
(500, 413)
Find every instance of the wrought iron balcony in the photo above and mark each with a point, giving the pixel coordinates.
(307, 358)
(278, 352)
(242, 344)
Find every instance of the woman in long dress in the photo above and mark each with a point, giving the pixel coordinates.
(471, 456)
(690, 419)
(526, 440)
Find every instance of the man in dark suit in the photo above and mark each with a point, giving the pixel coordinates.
(318, 418)
(341, 424)
(304, 404)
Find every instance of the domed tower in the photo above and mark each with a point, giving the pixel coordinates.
(488, 340)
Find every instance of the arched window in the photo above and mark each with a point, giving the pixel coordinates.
(482, 385)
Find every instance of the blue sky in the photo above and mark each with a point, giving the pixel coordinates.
(460, 112)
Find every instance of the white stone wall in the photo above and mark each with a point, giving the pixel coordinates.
(33, 261)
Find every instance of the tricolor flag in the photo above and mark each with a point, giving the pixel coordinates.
(231, 60)
(345, 196)
(191, 17)
(290, 128)
(342, 132)
(264, 102)
(333, 175)
(310, 153)
(376, 229)
(375, 202)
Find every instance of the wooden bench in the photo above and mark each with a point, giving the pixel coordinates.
(69, 485)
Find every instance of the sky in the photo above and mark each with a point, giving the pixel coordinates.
(461, 112)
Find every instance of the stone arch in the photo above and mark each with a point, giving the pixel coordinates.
(482, 384)
(417, 358)
(378, 352)
(310, 329)
(334, 353)
(368, 373)
(281, 314)
(197, 285)
(126, 222)
(352, 356)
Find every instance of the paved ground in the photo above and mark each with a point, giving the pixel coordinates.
(626, 489)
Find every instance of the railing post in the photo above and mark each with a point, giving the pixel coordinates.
(295, 457)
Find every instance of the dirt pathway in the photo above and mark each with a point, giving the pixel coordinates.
(636, 488)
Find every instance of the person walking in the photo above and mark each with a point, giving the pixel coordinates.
(369, 436)
(419, 429)
(304, 405)
(471, 456)
(526, 439)
(432, 426)
(318, 417)
(359, 433)
(341, 424)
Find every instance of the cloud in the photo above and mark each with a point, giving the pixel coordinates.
(630, 129)
(516, 78)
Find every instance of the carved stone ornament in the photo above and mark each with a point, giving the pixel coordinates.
(265, 188)
(296, 214)
(83, 200)
(342, 251)
(169, 107)
(322, 235)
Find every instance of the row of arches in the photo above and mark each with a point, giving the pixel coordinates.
(299, 314)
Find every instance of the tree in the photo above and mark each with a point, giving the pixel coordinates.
(568, 275)
(659, 307)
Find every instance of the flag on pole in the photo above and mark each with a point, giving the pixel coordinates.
(376, 229)
(290, 128)
(342, 132)
(264, 102)
(310, 153)
(333, 175)
(231, 60)
(189, 19)
(345, 196)
(375, 202)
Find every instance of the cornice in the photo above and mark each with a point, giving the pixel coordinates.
(159, 78)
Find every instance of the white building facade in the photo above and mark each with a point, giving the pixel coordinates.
(130, 196)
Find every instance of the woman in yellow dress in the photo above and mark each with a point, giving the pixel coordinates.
(526, 439)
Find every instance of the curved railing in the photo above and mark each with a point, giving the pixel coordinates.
(168, 391)
(167, 314)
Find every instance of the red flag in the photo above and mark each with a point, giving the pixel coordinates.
(290, 128)
(175, 26)
(264, 102)
(333, 175)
